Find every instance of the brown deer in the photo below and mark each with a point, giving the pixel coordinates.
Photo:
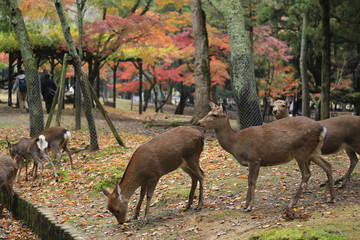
(8, 170)
(342, 134)
(280, 107)
(31, 148)
(58, 138)
(271, 144)
(179, 147)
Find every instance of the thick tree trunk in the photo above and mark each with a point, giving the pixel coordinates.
(243, 76)
(202, 65)
(32, 76)
(325, 66)
(76, 61)
(305, 104)
(80, 7)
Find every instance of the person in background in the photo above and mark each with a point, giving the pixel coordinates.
(48, 89)
(20, 88)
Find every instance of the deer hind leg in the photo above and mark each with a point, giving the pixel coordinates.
(305, 175)
(39, 162)
(197, 175)
(58, 155)
(138, 206)
(326, 166)
(67, 150)
(353, 161)
(252, 178)
(150, 188)
(46, 156)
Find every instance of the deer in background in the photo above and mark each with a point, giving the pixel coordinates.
(280, 107)
(8, 170)
(343, 133)
(27, 149)
(179, 147)
(271, 144)
(57, 138)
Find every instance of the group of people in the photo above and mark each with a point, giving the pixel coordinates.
(48, 89)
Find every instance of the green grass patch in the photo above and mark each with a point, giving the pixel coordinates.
(108, 150)
(355, 174)
(178, 193)
(66, 176)
(298, 234)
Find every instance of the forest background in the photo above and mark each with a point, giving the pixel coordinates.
(122, 39)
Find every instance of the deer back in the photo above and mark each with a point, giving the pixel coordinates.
(283, 140)
(165, 153)
(342, 130)
(55, 135)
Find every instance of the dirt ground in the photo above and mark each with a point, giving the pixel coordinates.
(225, 190)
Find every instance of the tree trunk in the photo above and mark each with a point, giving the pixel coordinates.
(80, 7)
(181, 106)
(325, 66)
(305, 104)
(202, 65)
(32, 76)
(243, 76)
(76, 61)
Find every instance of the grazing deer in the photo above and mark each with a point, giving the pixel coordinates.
(271, 144)
(179, 147)
(57, 137)
(342, 134)
(31, 148)
(8, 169)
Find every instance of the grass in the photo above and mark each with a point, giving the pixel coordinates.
(335, 224)
(298, 234)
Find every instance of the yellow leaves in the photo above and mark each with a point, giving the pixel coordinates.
(176, 3)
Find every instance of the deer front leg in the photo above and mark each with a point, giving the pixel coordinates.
(151, 184)
(252, 178)
(138, 206)
(353, 161)
(20, 162)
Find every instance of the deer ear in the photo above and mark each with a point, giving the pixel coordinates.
(118, 190)
(212, 105)
(289, 99)
(270, 100)
(223, 108)
(105, 191)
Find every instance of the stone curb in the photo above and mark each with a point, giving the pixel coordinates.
(41, 221)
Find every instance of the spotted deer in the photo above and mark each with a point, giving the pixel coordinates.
(279, 142)
(177, 148)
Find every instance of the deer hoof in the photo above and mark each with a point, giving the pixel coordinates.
(144, 223)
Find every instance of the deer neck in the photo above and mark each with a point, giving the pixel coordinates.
(128, 187)
(226, 136)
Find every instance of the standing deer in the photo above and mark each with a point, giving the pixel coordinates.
(343, 133)
(31, 148)
(179, 147)
(271, 144)
(8, 169)
(57, 137)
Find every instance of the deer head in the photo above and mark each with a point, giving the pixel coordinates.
(117, 205)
